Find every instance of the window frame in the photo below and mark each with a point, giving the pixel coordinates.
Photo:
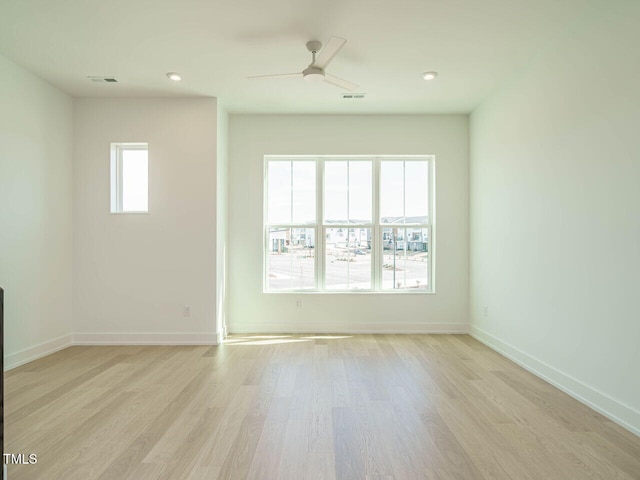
(320, 226)
(116, 194)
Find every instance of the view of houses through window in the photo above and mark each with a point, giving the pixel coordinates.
(348, 223)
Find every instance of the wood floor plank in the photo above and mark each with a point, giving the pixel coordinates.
(562, 443)
(350, 445)
(138, 448)
(62, 390)
(320, 466)
(458, 461)
(268, 452)
(318, 407)
(238, 461)
(219, 445)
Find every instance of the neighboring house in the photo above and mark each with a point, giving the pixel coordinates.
(413, 239)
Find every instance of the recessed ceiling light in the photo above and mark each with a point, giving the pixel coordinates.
(429, 75)
(174, 76)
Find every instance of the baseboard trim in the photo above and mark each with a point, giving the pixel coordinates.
(352, 328)
(143, 338)
(616, 411)
(30, 354)
(13, 360)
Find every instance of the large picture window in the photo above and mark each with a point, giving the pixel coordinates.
(354, 224)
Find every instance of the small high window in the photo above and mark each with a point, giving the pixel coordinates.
(129, 178)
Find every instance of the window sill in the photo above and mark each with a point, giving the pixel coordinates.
(351, 292)
(129, 213)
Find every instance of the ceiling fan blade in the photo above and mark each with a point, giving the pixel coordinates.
(278, 75)
(339, 82)
(328, 52)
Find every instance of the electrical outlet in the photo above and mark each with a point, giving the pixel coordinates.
(186, 310)
(485, 311)
(298, 303)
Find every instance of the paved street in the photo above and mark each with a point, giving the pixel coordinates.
(295, 271)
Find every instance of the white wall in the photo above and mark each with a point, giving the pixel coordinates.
(555, 217)
(222, 192)
(253, 136)
(35, 214)
(134, 272)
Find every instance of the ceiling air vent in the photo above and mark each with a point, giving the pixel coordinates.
(103, 79)
(352, 96)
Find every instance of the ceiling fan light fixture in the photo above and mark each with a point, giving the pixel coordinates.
(429, 75)
(313, 74)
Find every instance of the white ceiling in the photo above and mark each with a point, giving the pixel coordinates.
(475, 45)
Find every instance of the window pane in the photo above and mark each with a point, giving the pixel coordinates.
(304, 192)
(347, 191)
(291, 194)
(279, 192)
(335, 192)
(404, 192)
(348, 258)
(135, 180)
(405, 258)
(416, 189)
(290, 262)
(391, 191)
(360, 195)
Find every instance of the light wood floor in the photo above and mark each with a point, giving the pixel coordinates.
(304, 407)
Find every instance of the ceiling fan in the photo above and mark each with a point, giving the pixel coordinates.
(315, 72)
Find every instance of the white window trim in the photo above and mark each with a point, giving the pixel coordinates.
(320, 226)
(116, 176)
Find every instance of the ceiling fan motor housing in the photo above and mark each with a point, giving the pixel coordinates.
(313, 74)
(314, 46)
